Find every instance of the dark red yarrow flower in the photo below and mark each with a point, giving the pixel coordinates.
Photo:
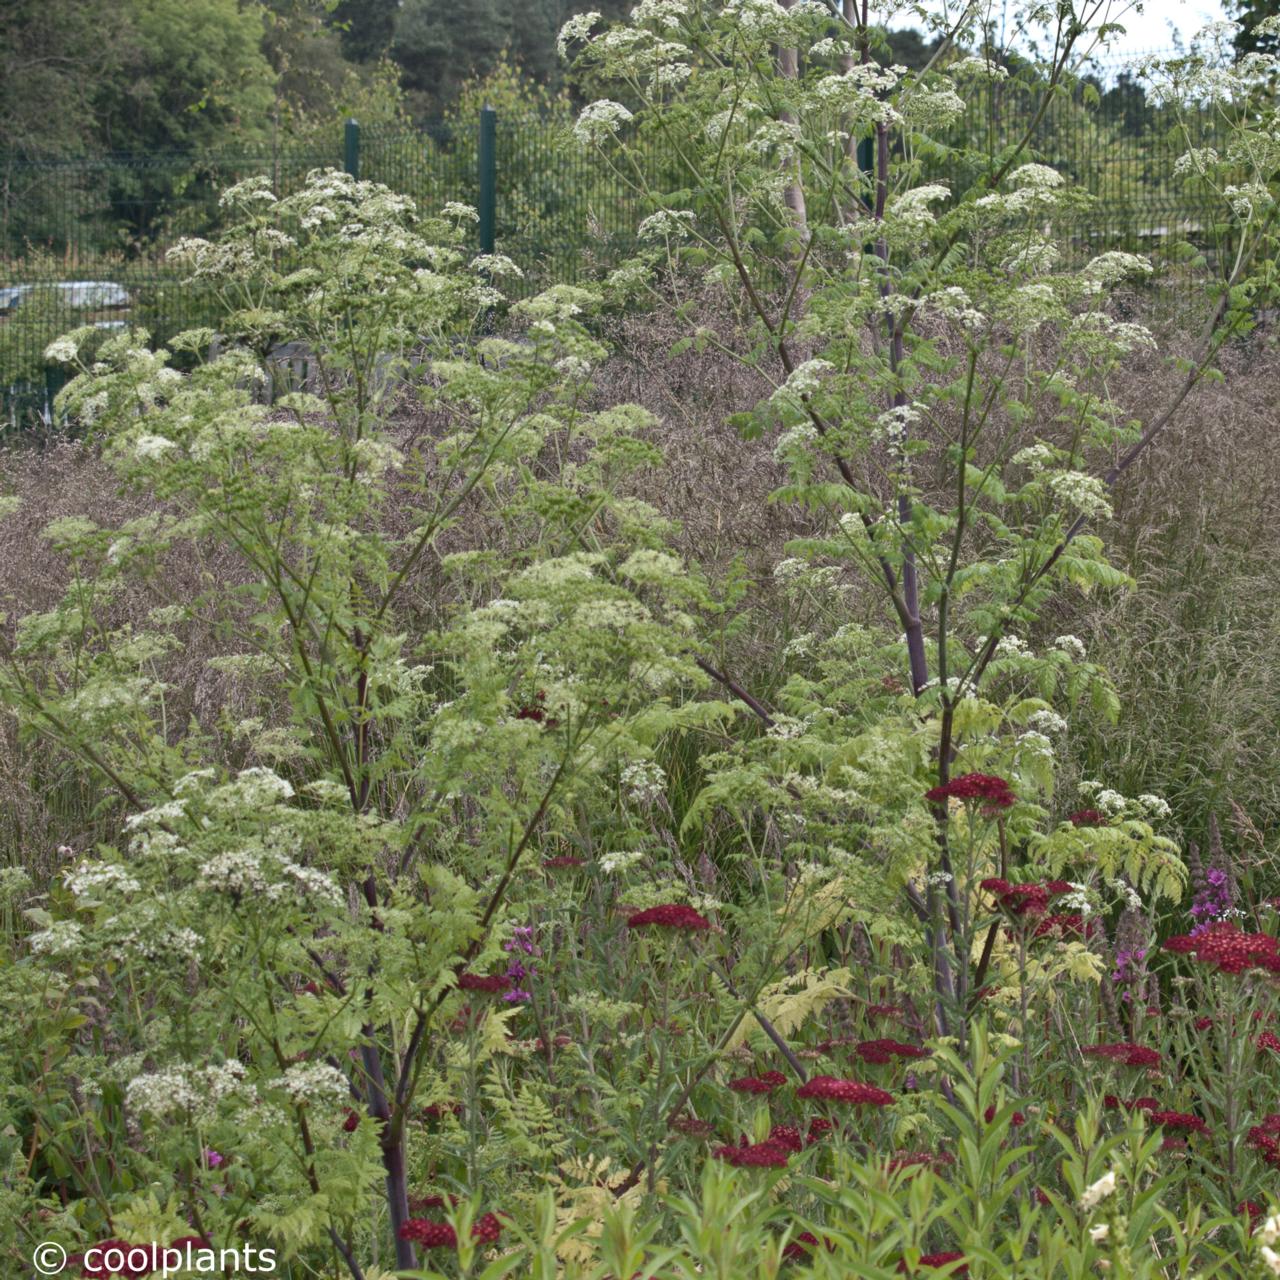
(787, 1136)
(1025, 899)
(488, 983)
(801, 1248)
(1088, 818)
(440, 1235)
(1064, 924)
(819, 1127)
(1128, 1055)
(692, 1127)
(430, 1235)
(938, 1260)
(994, 792)
(1228, 949)
(1267, 1147)
(671, 915)
(1264, 1137)
(759, 1155)
(562, 860)
(352, 1122)
(1252, 1210)
(851, 1091)
(1112, 1103)
(1178, 1120)
(486, 1229)
(420, 1204)
(881, 1051)
(751, 1084)
(884, 1010)
(437, 1110)
(1269, 1040)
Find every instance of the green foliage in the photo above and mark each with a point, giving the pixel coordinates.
(372, 922)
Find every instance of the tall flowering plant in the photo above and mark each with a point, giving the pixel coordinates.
(940, 363)
(303, 903)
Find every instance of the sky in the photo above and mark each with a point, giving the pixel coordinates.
(1151, 29)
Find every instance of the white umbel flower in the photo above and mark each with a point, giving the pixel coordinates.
(315, 1082)
(600, 121)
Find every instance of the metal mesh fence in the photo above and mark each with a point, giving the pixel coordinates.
(83, 241)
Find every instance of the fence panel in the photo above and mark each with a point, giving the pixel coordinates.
(561, 212)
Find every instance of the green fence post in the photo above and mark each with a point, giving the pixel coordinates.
(488, 177)
(351, 149)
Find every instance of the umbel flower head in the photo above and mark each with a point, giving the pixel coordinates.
(882, 1051)
(758, 1155)
(671, 915)
(1025, 899)
(786, 1136)
(993, 792)
(489, 983)
(1178, 1120)
(853, 1092)
(440, 1235)
(1228, 949)
(765, 1083)
(1127, 1054)
(1088, 818)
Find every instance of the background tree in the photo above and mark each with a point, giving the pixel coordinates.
(55, 52)
(1249, 13)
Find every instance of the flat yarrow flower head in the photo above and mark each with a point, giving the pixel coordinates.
(786, 1136)
(1088, 818)
(818, 1129)
(671, 915)
(1030, 899)
(758, 1155)
(993, 792)
(1126, 1054)
(440, 1235)
(1178, 1120)
(488, 983)
(854, 1092)
(882, 1051)
(1228, 949)
(765, 1083)
(1064, 924)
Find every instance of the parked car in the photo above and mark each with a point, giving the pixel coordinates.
(104, 300)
